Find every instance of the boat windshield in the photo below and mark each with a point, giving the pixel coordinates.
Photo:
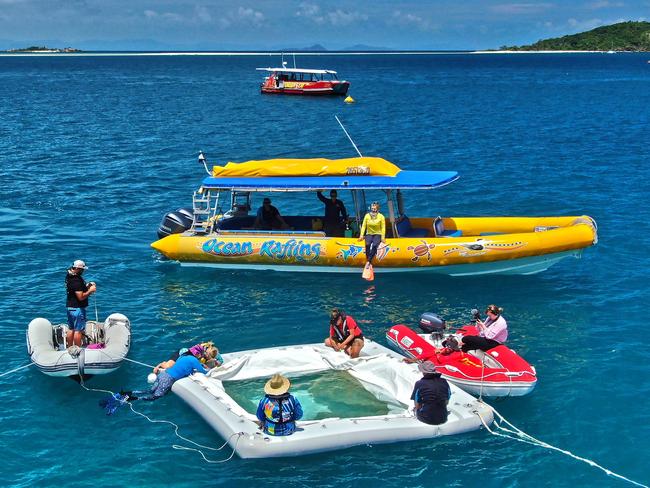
(266, 212)
(310, 77)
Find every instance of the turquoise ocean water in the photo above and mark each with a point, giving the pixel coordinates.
(94, 150)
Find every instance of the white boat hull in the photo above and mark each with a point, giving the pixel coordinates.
(53, 362)
(521, 266)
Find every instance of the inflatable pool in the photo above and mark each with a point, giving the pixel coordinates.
(379, 371)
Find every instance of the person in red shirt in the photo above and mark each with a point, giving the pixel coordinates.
(345, 334)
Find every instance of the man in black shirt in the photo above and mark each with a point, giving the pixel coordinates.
(268, 217)
(431, 395)
(78, 292)
(335, 215)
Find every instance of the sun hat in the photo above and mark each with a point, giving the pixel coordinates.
(277, 385)
(427, 367)
(79, 264)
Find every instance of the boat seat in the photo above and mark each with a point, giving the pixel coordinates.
(440, 231)
(404, 229)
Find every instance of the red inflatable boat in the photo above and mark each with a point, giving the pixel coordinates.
(499, 372)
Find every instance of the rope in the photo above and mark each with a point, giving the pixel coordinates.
(176, 428)
(137, 362)
(519, 435)
(16, 369)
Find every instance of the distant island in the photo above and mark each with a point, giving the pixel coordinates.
(624, 36)
(44, 49)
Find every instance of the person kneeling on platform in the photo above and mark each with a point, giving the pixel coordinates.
(278, 411)
(345, 334)
(185, 366)
(431, 395)
(204, 352)
(492, 333)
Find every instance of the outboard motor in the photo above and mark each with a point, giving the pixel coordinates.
(176, 222)
(432, 324)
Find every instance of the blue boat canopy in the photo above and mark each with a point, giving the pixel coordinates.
(404, 180)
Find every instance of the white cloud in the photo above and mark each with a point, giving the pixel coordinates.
(249, 16)
(311, 12)
(167, 16)
(202, 14)
(598, 4)
(584, 25)
(338, 17)
(521, 8)
(408, 20)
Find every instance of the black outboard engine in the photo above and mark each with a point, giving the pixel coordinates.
(432, 324)
(176, 222)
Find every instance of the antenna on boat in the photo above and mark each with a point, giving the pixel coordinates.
(205, 165)
(346, 133)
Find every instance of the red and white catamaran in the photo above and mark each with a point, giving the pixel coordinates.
(296, 81)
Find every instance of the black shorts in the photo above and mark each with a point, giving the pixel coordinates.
(356, 337)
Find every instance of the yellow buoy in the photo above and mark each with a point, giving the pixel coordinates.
(349, 99)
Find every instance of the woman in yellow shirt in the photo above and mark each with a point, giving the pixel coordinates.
(374, 230)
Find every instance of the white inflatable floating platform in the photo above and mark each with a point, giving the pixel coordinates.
(380, 371)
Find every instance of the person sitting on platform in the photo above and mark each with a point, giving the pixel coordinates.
(492, 333)
(345, 334)
(335, 215)
(431, 395)
(268, 217)
(278, 411)
(185, 366)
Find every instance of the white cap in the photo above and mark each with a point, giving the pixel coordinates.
(79, 264)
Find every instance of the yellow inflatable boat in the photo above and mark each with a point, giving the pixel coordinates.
(205, 236)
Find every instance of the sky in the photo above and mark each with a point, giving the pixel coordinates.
(294, 24)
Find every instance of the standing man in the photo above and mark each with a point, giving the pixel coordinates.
(78, 292)
(335, 215)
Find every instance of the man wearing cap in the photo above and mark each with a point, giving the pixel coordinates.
(431, 395)
(268, 217)
(278, 410)
(335, 215)
(78, 292)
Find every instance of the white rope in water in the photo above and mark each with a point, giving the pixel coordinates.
(176, 427)
(16, 369)
(519, 435)
(137, 362)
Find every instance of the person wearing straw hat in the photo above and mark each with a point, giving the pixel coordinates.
(431, 395)
(77, 293)
(278, 411)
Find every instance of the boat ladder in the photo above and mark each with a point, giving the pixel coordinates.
(203, 212)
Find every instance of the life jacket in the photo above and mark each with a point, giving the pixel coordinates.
(343, 333)
(279, 415)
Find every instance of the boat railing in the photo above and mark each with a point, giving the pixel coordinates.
(258, 232)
